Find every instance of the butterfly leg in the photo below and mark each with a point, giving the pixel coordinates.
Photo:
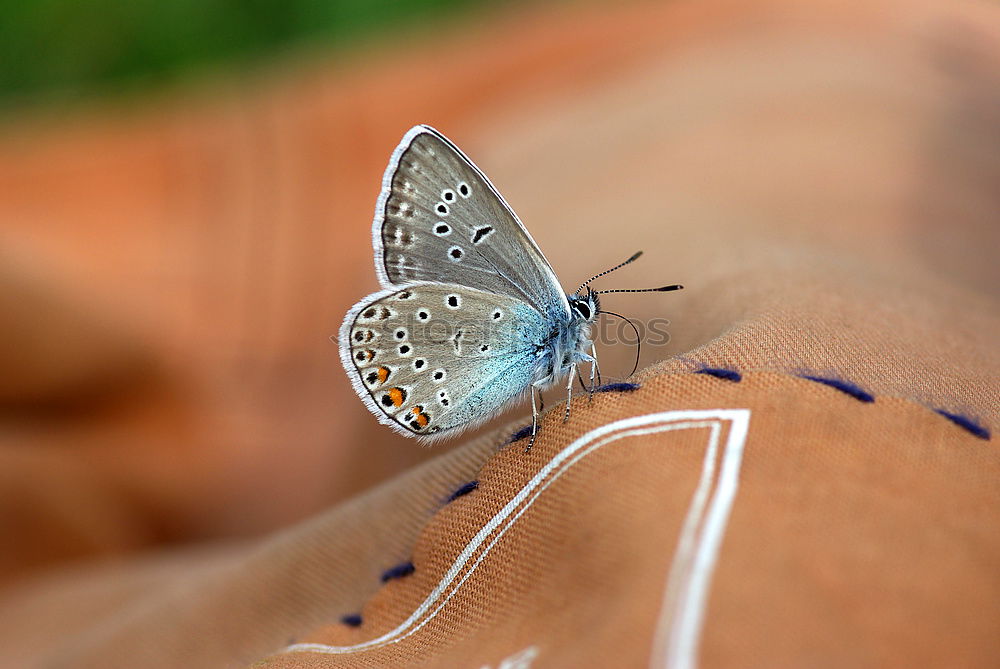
(534, 418)
(595, 369)
(595, 372)
(569, 391)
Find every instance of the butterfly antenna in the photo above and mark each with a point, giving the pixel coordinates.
(608, 271)
(661, 289)
(638, 339)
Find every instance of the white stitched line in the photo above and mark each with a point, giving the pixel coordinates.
(402, 632)
(686, 545)
(513, 519)
(687, 625)
(563, 460)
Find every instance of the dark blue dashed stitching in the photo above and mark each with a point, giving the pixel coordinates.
(617, 388)
(843, 386)
(464, 490)
(721, 373)
(965, 423)
(352, 620)
(406, 568)
(399, 571)
(520, 434)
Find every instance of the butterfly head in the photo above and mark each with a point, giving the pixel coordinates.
(585, 307)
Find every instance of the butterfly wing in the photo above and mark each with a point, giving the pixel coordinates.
(438, 218)
(430, 357)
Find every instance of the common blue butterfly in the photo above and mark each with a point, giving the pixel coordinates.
(470, 315)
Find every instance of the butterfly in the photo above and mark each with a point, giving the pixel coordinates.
(470, 315)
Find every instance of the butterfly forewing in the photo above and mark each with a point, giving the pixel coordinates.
(440, 219)
(430, 357)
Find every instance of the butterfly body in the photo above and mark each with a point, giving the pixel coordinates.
(567, 342)
(471, 315)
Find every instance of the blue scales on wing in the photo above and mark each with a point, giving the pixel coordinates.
(432, 357)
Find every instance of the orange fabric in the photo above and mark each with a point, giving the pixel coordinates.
(189, 480)
(843, 510)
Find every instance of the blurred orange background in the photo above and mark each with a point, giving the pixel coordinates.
(173, 261)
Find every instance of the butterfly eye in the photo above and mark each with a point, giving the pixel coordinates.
(455, 253)
(438, 375)
(400, 334)
(442, 209)
(423, 314)
(448, 195)
(497, 315)
(463, 189)
(453, 301)
(442, 229)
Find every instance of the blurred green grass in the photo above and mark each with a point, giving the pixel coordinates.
(75, 49)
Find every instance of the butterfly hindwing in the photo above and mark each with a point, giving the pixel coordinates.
(432, 357)
(439, 218)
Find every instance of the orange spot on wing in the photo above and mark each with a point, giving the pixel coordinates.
(383, 374)
(420, 419)
(396, 395)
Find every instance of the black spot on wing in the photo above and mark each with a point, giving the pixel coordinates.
(482, 233)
